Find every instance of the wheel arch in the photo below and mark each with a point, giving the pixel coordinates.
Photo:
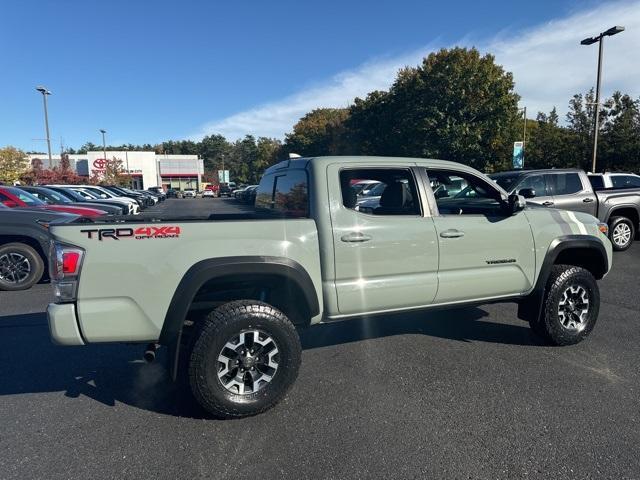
(627, 211)
(579, 250)
(295, 288)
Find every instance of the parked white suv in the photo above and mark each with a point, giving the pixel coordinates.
(189, 193)
(614, 180)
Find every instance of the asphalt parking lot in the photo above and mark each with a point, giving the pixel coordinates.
(467, 393)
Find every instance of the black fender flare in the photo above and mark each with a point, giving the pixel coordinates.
(209, 269)
(532, 304)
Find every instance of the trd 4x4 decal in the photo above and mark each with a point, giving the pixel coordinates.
(140, 233)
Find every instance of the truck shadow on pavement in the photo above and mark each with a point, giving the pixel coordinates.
(30, 363)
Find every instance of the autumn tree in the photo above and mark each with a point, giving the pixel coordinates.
(12, 164)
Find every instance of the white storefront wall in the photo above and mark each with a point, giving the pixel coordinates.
(146, 168)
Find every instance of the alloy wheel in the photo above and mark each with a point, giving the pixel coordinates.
(573, 308)
(621, 234)
(248, 362)
(14, 268)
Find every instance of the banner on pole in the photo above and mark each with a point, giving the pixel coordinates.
(518, 154)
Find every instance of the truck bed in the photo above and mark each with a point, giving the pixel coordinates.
(154, 254)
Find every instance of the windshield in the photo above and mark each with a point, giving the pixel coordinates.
(506, 181)
(26, 197)
(55, 195)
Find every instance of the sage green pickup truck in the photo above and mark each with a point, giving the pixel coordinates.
(228, 294)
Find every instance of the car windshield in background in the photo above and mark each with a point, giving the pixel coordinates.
(25, 196)
(506, 181)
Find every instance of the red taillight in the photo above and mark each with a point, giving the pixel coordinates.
(66, 261)
(70, 262)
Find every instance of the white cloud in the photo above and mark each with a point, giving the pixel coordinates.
(548, 63)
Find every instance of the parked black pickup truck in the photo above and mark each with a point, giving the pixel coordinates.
(570, 189)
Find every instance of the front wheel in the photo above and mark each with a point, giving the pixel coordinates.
(571, 306)
(621, 233)
(245, 358)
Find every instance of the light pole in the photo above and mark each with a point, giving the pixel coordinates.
(45, 93)
(104, 145)
(589, 41)
(126, 154)
(524, 134)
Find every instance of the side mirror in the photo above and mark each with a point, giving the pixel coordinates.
(527, 192)
(516, 203)
(10, 204)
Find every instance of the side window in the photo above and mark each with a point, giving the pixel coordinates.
(597, 182)
(291, 195)
(264, 195)
(565, 183)
(286, 194)
(389, 191)
(536, 183)
(478, 197)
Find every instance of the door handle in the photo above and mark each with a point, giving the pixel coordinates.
(355, 237)
(452, 234)
(588, 200)
(547, 204)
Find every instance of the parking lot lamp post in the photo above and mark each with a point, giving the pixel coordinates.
(589, 41)
(126, 156)
(104, 145)
(45, 93)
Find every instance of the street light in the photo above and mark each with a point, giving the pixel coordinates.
(590, 41)
(104, 145)
(46, 93)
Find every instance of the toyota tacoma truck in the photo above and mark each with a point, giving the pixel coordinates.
(228, 294)
(571, 189)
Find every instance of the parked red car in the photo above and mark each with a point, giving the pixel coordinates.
(14, 197)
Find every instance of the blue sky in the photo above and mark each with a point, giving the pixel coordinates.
(152, 71)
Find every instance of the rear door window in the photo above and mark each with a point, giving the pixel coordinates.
(597, 182)
(394, 191)
(565, 183)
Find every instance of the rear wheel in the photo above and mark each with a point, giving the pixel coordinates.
(621, 233)
(571, 306)
(21, 266)
(244, 359)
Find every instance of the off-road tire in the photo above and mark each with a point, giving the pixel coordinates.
(621, 222)
(36, 266)
(215, 331)
(564, 278)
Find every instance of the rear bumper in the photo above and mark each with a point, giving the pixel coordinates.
(63, 324)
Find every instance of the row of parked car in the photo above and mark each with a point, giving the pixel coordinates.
(27, 211)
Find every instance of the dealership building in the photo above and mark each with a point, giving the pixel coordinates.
(146, 169)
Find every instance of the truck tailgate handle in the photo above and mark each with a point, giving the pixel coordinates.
(588, 200)
(452, 233)
(355, 237)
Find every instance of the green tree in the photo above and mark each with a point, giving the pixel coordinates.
(456, 105)
(549, 143)
(620, 138)
(319, 132)
(12, 164)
